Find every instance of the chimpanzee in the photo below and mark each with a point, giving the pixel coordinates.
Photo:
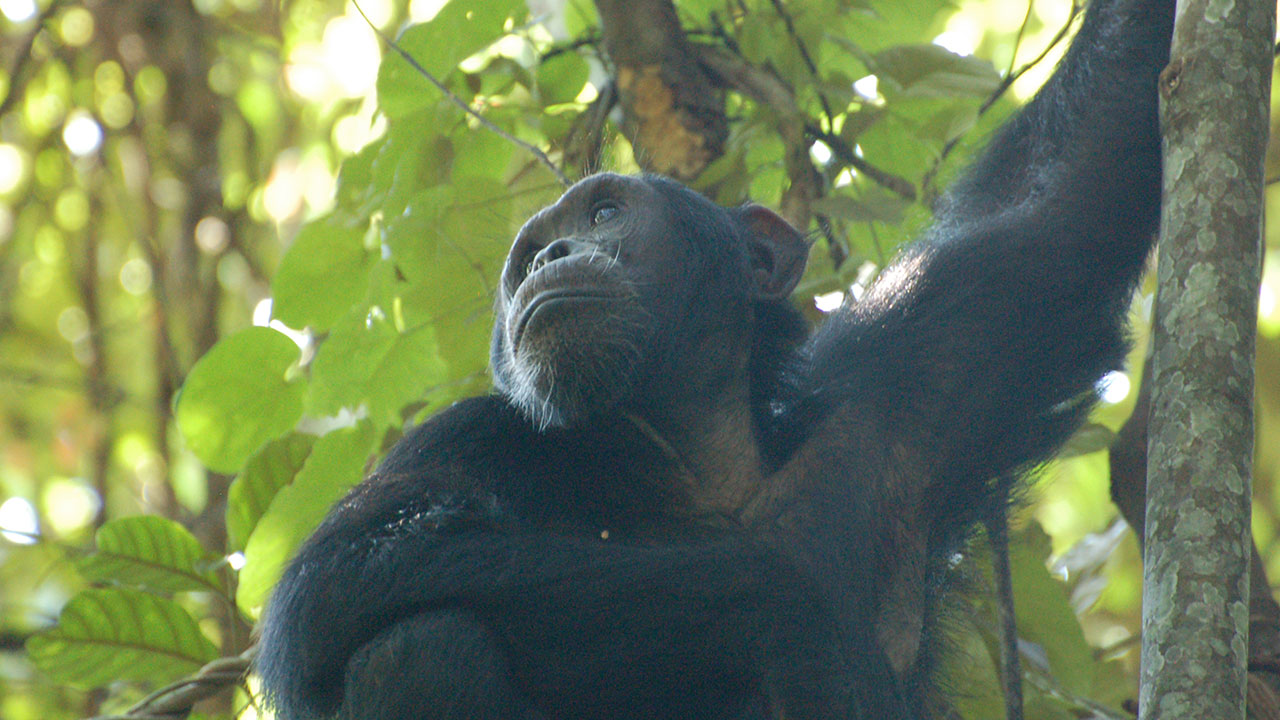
(681, 505)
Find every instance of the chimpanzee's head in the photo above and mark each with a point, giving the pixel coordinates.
(613, 293)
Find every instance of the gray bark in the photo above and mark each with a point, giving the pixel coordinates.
(1215, 98)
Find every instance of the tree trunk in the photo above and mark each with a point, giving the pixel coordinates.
(1215, 98)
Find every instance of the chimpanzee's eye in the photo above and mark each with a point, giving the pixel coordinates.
(603, 212)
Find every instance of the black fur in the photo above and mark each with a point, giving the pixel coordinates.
(548, 554)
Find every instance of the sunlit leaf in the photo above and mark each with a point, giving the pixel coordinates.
(1088, 439)
(322, 276)
(335, 465)
(238, 397)
(414, 236)
(151, 552)
(580, 18)
(370, 362)
(933, 71)
(561, 78)
(270, 469)
(107, 635)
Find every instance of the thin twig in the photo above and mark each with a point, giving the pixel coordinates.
(895, 184)
(536, 152)
(591, 39)
(808, 59)
(1017, 40)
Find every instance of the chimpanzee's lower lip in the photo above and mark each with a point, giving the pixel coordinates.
(553, 297)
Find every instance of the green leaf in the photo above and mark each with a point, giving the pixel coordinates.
(1044, 612)
(336, 464)
(273, 467)
(893, 23)
(967, 664)
(561, 78)
(479, 155)
(453, 263)
(1089, 439)
(237, 397)
(105, 635)
(872, 206)
(931, 71)
(580, 18)
(858, 122)
(151, 552)
(356, 192)
(414, 156)
(458, 31)
(322, 275)
(413, 236)
(369, 361)
(948, 123)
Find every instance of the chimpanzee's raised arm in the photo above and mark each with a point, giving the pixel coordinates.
(980, 345)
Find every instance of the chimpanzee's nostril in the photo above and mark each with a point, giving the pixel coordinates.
(554, 251)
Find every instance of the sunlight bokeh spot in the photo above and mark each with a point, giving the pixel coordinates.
(18, 10)
(1113, 387)
(135, 276)
(73, 324)
(13, 167)
(868, 87)
(212, 234)
(71, 210)
(76, 27)
(19, 516)
(351, 54)
(961, 36)
(282, 198)
(82, 134)
(70, 504)
(827, 302)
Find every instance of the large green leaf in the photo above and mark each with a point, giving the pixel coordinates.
(1045, 615)
(892, 22)
(105, 635)
(238, 396)
(270, 469)
(336, 464)
(413, 236)
(931, 71)
(458, 31)
(561, 78)
(151, 552)
(374, 362)
(416, 154)
(322, 275)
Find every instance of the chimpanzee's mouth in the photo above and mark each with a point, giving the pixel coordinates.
(552, 298)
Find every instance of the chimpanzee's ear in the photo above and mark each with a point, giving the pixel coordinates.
(777, 251)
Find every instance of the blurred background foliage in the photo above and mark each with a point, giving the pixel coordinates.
(239, 253)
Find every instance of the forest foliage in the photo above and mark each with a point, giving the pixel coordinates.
(244, 245)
